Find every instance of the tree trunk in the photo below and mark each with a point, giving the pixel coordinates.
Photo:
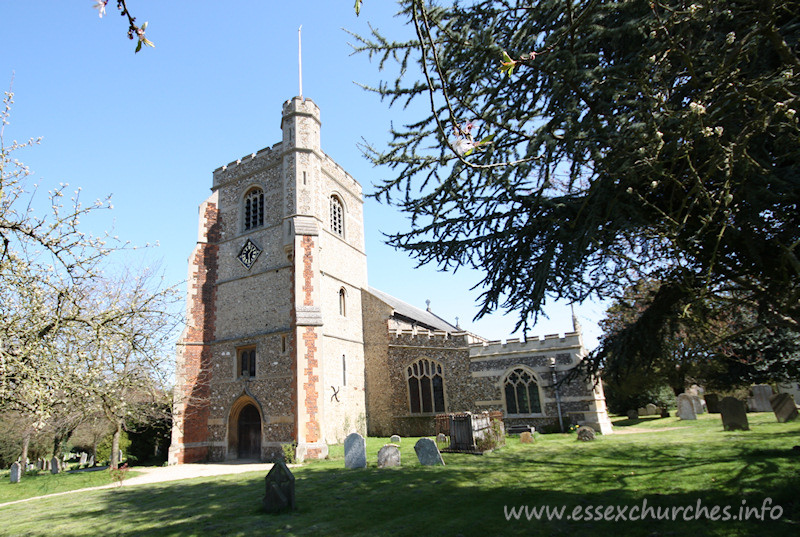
(115, 446)
(26, 440)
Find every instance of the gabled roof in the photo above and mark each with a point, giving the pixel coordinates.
(426, 319)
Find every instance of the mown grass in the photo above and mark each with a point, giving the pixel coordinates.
(41, 483)
(673, 468)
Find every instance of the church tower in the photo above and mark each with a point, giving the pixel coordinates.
(273, 352)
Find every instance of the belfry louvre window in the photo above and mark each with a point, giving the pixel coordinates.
(337, 216)
(522, 393)
(425, 386)
(254, 209)
(247, 363)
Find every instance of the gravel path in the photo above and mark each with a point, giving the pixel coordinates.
(175, 472)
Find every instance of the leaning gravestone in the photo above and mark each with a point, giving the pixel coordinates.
(686, 407)
(355, 451)
(652, 410)
(427, 452)
(54, 466)
(279, 493)
(526, 438)
(395, 439)
(784, 408)
(389, 455)
(734, 415)
(712, 403)
(16, 472)
(760, 400)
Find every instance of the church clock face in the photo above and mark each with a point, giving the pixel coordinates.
(248, 254)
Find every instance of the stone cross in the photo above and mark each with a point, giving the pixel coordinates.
(16, 472)
(783, 406)
(389, 455)
(427, 452)
(355, 451)
(686, 409)
(279, 493)
(734, 415)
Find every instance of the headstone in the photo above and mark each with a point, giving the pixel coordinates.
(526, 438)
(633, 414)
(734, 414)
(760, 401)
(652, 410)
(664, 413)
(441, 438)
(585, 433)
(389, 455)
(90, 463)
(83, 458)
(642, 412)
(783, 406)
(427, 452)
(712, 403)
(395, 439)
(279, 493)
(698, 404)
(355, 451)
(40, 464)
(16, 472)
(54, 467)
(686, 408)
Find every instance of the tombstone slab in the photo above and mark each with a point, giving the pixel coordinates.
(734, 414)
(441, 438)
(16, 472)
(355, 451)
(389, 455)
(664, 413)
(784, 408)
(526, 438)
(279, 493)
(83, 458)
(54, 465)
(760, 402)
(697, 403)
(712, 403)
(395, 439)
(585, 433)
(686, 408)
(427, 452)
(652, 410)
(632, 414)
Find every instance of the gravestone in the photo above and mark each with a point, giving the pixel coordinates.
(712, 403)
(54, 465)
(441, 438)
(642, 412)
(279, 493)
(734, 414)
(760, 401)
(652, 410)
(389, 455)
(697, 403)
(40, 464)
(395, 439)
(90, 462)
(783, 406)
(355, 451)
(16, 472)
(633, 414)
(686, 409)
(427, 452)
(526, 438)
(664, 413)
(585, 433)
(82, 461)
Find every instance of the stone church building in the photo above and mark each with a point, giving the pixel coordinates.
(286, 342)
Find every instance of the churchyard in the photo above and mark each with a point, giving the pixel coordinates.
(667, 462)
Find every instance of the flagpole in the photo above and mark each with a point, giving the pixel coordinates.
(300, 59)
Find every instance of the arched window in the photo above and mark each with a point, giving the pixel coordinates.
(342, 302)
(425, 386)
(337, 216)
(253, 209)
(521, 392)
(247, 362)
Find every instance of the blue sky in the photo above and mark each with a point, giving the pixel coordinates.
(149, 128)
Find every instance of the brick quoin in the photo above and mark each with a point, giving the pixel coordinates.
(199, 333)
(308, 270)
(310, 344)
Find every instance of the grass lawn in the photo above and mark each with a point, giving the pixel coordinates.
(694, 461)
(43, 482)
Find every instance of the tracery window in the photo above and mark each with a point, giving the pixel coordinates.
(253, 209)
(337, 216)
(521, 392)
(425, 386)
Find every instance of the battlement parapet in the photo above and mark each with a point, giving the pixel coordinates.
(246, 164)
(535, 344)
(422, 337)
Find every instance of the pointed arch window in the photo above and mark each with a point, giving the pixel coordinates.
(247, 362)
(425, 386)
(522, 392)
(342, 302)
(337, 216)
(253, 209)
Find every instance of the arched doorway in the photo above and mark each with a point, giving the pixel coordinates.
(249, 433)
